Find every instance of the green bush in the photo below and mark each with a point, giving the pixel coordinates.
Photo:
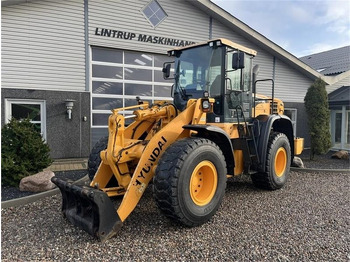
(23, 152)
(316, 104)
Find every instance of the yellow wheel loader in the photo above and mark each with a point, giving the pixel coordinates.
(215, 128)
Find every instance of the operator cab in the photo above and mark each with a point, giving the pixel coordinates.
(219, 67)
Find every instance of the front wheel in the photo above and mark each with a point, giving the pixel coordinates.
(278, 159)
(94, 157)
(190, 181)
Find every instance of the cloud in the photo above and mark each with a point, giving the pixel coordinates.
(320, 47)
(316, 48)
(335, 17)
(335, 11)
(299, 13)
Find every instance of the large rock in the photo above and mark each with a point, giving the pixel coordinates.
(342, 154)
(39, 182)
(297, 162)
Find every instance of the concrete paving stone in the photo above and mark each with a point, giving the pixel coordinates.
(68, 164)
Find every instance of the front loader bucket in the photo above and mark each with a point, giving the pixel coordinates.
(89, 208)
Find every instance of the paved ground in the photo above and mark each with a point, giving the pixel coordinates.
(68, 164)
(307, 220)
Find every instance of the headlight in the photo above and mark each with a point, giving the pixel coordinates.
(205, 105)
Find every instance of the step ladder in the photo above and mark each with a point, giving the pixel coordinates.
(247, 141)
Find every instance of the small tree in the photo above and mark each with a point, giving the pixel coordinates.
(23, 152)
(316, 104)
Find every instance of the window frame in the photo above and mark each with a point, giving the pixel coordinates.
(155, 68)
(344, 128)
(42, 103)
(153, 13)
(294, 122)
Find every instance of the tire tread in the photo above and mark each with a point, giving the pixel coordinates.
(264, 180)
(167, 175)
(94, 157)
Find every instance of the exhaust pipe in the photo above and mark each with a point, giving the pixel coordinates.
(89, 209)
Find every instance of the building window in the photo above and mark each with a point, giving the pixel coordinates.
(292, 114)
(35, 110)
(119, 76)
(154, 13)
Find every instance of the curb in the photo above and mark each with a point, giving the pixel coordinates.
(32, 198)
(311, 170)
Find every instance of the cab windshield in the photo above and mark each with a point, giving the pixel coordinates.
(197, 70)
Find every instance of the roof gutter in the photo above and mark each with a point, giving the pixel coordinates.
(334, 79)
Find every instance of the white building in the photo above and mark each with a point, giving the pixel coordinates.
(102, 54)
(336, 63)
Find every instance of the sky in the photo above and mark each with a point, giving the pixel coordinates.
(302, 27)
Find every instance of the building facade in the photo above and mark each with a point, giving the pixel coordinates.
(100, 55)
(335, 64)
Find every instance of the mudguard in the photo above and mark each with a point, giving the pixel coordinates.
(219, 137)
(277, 123)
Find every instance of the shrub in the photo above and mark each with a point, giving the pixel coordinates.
(316, 104)
(23, 152)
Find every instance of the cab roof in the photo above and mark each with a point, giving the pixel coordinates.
(223, 41)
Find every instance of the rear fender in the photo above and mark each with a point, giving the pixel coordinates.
(276, 123)
(220, 137)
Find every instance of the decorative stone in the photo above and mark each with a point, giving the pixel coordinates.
(297, 162)
(39, 182)
(342, 154)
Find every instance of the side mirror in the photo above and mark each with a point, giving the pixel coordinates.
(238, 60)
(166, 70)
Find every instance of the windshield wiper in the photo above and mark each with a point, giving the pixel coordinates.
(182, 92)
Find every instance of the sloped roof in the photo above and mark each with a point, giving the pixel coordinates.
(332, 62)
(341, 96)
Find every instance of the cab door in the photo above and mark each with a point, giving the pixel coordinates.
(238, 97)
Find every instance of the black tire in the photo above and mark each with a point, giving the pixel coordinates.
(186, 164)
(278, 159)
(94, 157)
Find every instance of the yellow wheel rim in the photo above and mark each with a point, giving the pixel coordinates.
(203, 183)
(280, 161)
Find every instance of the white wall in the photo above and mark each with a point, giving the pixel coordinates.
(43, 45)
(184, 22)
(343, 82)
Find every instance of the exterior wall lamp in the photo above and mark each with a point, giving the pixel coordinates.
(69, 106)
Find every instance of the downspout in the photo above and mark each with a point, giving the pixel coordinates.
(86, 39)
(87, 69)
(273, 83)
(210, 27)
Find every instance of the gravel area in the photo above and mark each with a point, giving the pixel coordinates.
(320, 162)
(307, 220)
(8, 193)
(324, 161)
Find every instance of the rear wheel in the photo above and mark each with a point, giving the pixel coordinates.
(190, 181)
(278, 161)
